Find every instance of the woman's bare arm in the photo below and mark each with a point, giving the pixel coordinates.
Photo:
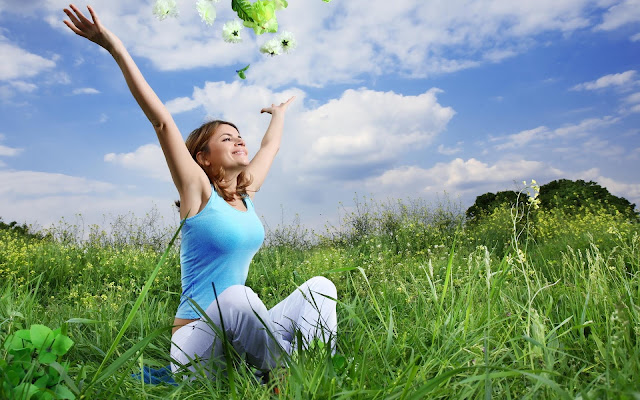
(188, 177)
(261, 162)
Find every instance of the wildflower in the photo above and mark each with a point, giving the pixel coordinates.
(287, 41)
(207, 10)
(165, 8)
(231, 31)
(273, 47)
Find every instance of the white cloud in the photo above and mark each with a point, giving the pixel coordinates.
(365, 130)
(18, 63)
(22, 86)
(33, 183)
(87, 90)
(340, 41)
(356, 134)
(449, 151)
(622, 13)
(181, 104)
(621, 79)
(544, 134)
(635, 38)
(9, 151)
(147, 159)
(464, 177)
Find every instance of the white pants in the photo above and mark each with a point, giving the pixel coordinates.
(306, 311)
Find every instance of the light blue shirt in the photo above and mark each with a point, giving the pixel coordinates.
(217, 246)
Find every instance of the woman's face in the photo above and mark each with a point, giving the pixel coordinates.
(226, 149)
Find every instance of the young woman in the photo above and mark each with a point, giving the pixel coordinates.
(217, 183)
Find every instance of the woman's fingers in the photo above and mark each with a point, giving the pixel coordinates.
(73, 28)
(73, 18)
(81, 16)
(94, 16)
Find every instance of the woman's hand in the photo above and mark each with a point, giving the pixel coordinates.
(94, 31)
(279, 108)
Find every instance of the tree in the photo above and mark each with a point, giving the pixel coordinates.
(572, 196)
(486, 203)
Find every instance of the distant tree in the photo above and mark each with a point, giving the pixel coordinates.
(486, 203)
(572, 196)
(23, 229)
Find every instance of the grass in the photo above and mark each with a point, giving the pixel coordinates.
(515, 306)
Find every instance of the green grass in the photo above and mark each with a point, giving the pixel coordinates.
(429, 307)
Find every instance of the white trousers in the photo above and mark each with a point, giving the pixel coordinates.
(256, 333)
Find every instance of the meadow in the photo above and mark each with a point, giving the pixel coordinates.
(516, 305)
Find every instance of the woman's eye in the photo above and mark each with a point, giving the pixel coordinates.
(226, 139)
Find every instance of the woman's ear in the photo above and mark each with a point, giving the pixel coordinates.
(202, 160)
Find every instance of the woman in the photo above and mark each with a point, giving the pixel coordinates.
(217, 183)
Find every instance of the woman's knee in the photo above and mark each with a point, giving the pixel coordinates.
(322, 285)
(239, 300)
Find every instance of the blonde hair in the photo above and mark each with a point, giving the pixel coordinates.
(197, 141)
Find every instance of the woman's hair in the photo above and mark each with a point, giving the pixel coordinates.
(197, 141)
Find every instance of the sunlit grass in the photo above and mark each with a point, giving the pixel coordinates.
(511, 307)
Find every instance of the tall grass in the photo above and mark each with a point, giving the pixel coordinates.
(429, 306)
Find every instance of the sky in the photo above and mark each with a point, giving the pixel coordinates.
(436, 100)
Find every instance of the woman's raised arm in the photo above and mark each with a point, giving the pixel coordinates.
(188, 177)
(261, 162)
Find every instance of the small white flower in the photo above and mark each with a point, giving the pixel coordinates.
(231, 31)
(287, 41)
(207, 10)
(165, 8)
(273, 47)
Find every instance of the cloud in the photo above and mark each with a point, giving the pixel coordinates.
(625, 12)
(356, 134)
(635, 38)
(147, 159)
(467, 178)
(18, 63)
(87, 90)
(22, 86)
(544, 134)
(9, 151)
(449, 151)
(181, 104)
(343, 41)
(6, 151)
(621, 79)
(365, 130)
(33, 183)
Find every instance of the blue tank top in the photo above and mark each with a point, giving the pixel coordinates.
(217, 246)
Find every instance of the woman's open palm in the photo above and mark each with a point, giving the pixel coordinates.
(279, 108)
(92, 30)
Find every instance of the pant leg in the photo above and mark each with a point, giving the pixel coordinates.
(308, 310)
(250, 337)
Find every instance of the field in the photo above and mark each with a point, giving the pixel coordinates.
(518, 305)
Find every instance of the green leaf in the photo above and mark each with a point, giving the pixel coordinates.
(41, 336)
(61, 345)
(63, 392)
(24, 391)
(14, 342)
(46, 356)
(243, 9)
(24, 334)
(241, 72)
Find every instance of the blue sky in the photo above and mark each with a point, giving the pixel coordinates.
(399, 99)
